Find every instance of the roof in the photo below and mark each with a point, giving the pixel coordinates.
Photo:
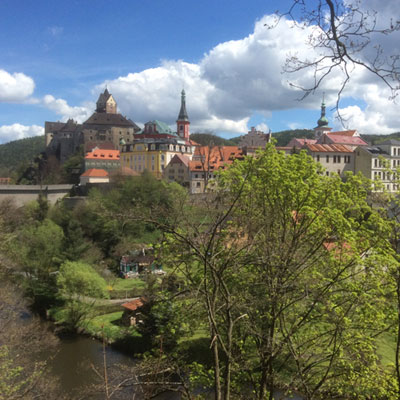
(183, 116)
(180, 159)
(105, 145)
(329, 148)
(95, 173)
(161, 128)
(297, 142)
(124, 171)
(102, 154)
(108, 119)
(341, 139)
(134, 304)
(211, 159)
(352, 132)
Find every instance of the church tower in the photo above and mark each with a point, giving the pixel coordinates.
(183, 123)
(322, 124)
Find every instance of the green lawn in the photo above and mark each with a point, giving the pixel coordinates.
(127, 284)
(109, 326)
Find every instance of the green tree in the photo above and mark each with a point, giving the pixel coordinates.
(280, 262)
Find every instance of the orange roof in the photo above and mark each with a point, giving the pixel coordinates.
(329, 148)
(133, 305)
(93, 172)
(211, 159)
(103, 154)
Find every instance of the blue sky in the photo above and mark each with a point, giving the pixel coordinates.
(56, 57)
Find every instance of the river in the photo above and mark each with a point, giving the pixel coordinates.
(73, 362)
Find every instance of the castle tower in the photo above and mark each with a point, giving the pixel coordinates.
(322, 124)
(106, 103)
(183, 123)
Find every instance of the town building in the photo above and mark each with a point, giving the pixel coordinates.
(94, 176)
(375, 162)
(178, 170)
(254, 140)
(336, 159)
(104, 159)
(206, 161)
(155, 146)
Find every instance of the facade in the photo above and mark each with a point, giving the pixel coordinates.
(178, 170)
(94, 175)
(336, 159)
(254, 140)
(374, 162)
(104, 159)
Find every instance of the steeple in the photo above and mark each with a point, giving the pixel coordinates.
(322, 124)
(183, 113)
(182, 123)
(323, 121)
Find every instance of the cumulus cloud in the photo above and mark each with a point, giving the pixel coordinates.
(16, 87)
(61, 107)
(232, 81)
(262, 127)
(18, 131)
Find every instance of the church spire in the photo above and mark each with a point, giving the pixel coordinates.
(183, 113)
(182, 123)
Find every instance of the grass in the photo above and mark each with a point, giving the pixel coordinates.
(127, 284)
(109, 326)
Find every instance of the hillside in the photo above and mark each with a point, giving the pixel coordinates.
(19, 152)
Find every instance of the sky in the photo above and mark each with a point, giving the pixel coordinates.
(56, 57)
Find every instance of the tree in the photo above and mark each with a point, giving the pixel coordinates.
(287, 263)
(345, 37)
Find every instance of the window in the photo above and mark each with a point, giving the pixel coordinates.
(318, 157)
(162, 157)
(198, 184)
(327, 159)
(327, 173)
(338, 159)
(334, 159)
(338, 171)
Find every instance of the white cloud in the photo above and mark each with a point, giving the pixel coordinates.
(16, 87)
(18, 131)
(262, 127)
(61, 107)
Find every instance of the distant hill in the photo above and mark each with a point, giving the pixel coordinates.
(19, 152)
(282, 138)
(208, 139)
(376, 139)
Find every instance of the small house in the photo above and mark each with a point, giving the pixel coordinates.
(131, 315)
(139, 262)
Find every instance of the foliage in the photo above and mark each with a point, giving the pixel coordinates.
(279, 263)
(79, 279)
(208, 139)
(18, 152)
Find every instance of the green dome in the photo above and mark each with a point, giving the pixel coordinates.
(323, 121)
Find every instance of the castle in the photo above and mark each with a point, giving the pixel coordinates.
(105, 129)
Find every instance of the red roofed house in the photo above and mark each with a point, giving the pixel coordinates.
(131, 315)
(298, 143)
(103, 158)
(336, 159)
(206, 161)
(94, 176)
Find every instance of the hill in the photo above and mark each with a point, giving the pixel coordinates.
(17, 153)
(208, 139)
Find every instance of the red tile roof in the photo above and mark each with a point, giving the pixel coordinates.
(94, 172)
(342, 139)
(102, 154)
(329, 148)
(133, 305)
(295, 142)
(211, 159)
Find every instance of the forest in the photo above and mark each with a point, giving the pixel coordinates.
(279, 280)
